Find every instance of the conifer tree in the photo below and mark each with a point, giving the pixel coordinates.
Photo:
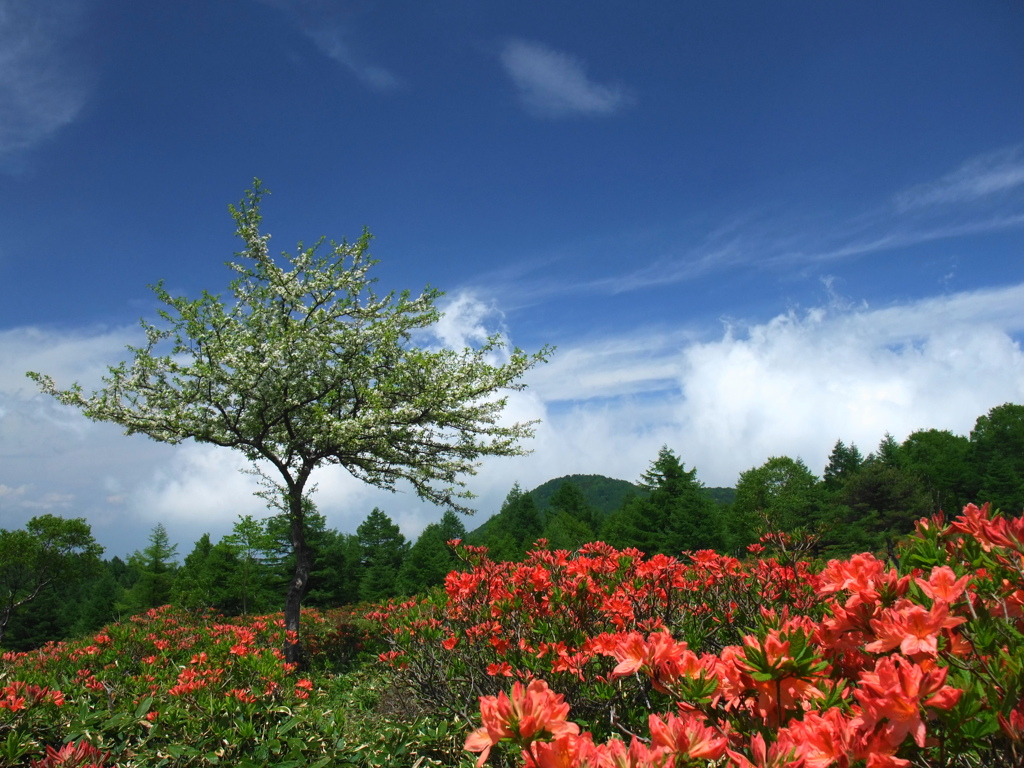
(843, 463)
(383, 551)
(156, 567)
(676, 516)
(430, 558)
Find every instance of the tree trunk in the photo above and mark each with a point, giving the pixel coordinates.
(293, 652)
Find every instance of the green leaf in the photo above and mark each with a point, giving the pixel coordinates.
(143, 707)
(286, 726)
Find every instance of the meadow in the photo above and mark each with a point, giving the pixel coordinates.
(593, 657)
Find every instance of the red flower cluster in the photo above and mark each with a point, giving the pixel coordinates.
(852, 665)
(20, 695)
(80, 754)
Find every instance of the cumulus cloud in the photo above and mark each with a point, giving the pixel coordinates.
(42, 86)
(790, 385)
(467, 321)
(552, 84)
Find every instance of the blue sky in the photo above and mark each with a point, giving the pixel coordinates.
(749, 228)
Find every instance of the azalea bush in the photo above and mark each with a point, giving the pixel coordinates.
(172, 688)
(619, 660)
(178, 688)
(551, 615)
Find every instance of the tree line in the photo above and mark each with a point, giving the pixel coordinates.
(861, 503)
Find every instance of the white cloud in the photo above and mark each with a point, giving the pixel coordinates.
(555, 85)
(6, 490)
(467, 321)
(42, 87)
(790, 385)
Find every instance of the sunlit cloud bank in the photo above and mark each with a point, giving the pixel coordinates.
(788, 386)
(725, 402)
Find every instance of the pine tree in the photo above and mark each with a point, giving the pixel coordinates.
(520, 517)
(569, 498)
(997, 448)
(676, 516)
(430, 559)
(250, 544)
(157, 567)
(383, 550)
(843, 463)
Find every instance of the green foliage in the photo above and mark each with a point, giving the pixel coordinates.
(570, 500)
(208, 579)
(383, 549)
(780, 495)
(892, 499)
(98, 603)
(430, 559)
(156, 569)
(675, 516)
(249, 543)
(602, 494)
(941, 461)
(565, 530)
(997, 443)
(844, 462)
(888, 453)
(513, 530)
(721, 496)
(188, 689)
(49, 551)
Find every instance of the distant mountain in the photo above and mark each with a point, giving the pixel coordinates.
(723, 496)
(605, 494)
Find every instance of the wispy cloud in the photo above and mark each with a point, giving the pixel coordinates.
(552, 84)
(984, 195)
(323, 23)
(331, 41)
(42, 86)
(980, 177)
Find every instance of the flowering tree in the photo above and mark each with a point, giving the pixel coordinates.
(307, 367)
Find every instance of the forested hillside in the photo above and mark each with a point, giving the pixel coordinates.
(863, 502)
(603, 494)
